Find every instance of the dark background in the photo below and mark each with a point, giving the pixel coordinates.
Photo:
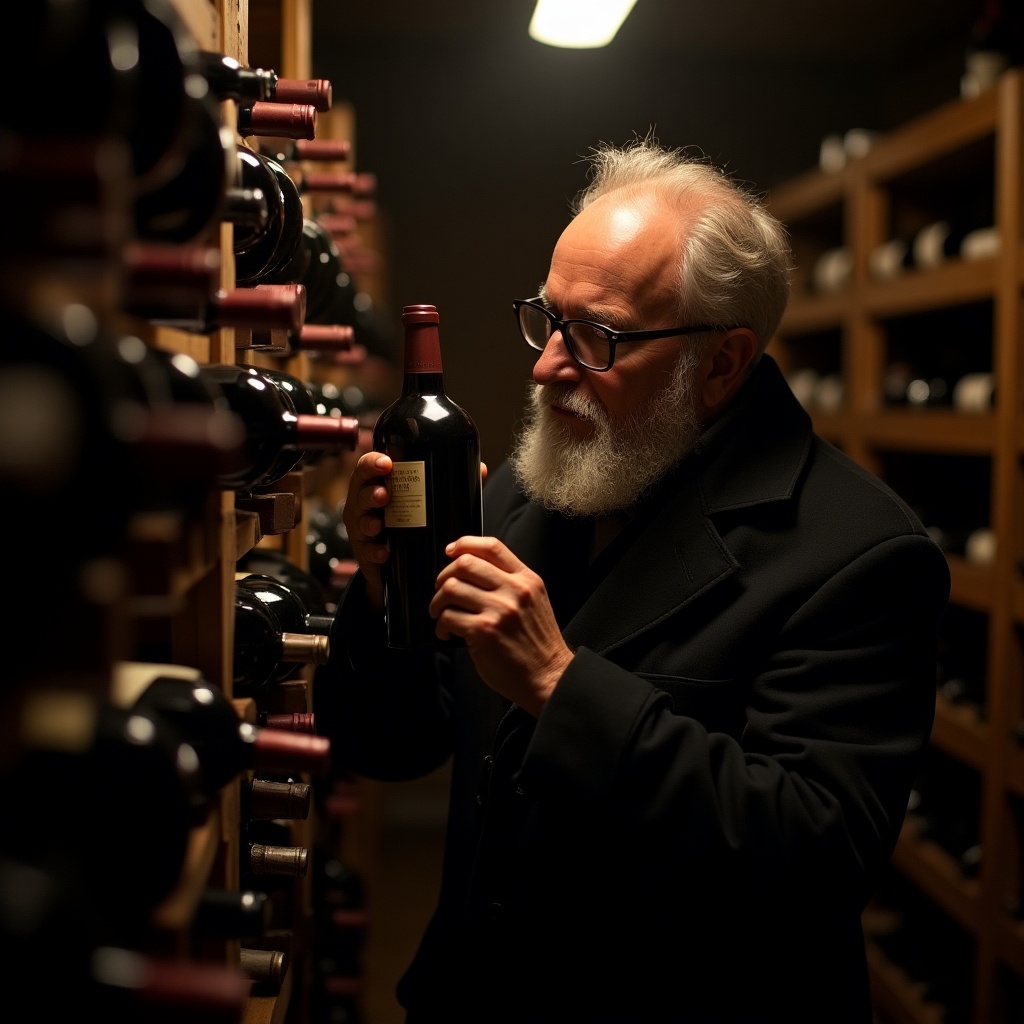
(476, 132)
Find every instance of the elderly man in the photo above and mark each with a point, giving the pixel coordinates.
(699, 650)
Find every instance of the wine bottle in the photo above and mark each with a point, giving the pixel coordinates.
(57, 60)
(296, 721)
(122, 794)
(265, 967)
(188, 206)
(247, 209)
(263, 652)
(266, 799)
(70, 47)
(337, 886)
(260, 860)
(318, 338)
(300, 402)
(344, 430)
(891, 258)
(316, 264)
(299, 150)
(331, 559)
(279, 120)
(232, 914)
(261, 307)
(832, 270)
(272, 426)
(275, 563)
(88, 410)
(263, 248)
(991, 49)
(285, 608)
(352, 183)
(128, 986)
(944, 240)
(340, 225)
(285, 602)
(333, 342)
(975, 392)
(230, 80)
(200, 712)
(52, 913)
(435, 493)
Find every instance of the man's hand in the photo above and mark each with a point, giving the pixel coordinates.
(363, 516)
(500, 607)
(364, 520)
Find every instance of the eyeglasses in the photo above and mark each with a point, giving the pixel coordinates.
(590, 344)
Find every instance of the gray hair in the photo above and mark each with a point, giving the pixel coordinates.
(735, 258)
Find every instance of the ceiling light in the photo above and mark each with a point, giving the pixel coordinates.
(578, 23)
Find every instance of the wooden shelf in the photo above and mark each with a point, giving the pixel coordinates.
(951, 284)
(945, 432)
(965, 151)
(897, 997)
(935, 872)
(960, 732)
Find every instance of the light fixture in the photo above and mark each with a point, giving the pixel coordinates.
(578, 23)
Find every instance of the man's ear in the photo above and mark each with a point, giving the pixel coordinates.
(725, 368)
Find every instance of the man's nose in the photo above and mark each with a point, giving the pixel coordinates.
(556, 363)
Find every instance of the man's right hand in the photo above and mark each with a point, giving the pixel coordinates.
(364, 519)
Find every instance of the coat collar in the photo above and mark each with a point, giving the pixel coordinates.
(751, 456)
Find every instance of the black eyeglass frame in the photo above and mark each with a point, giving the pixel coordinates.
(614, 337)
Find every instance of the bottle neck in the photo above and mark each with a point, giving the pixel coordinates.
(423, 368)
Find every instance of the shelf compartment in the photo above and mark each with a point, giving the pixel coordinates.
(972, 586)
(807, 314)
(929, 430)
(1015, 772)
(899, 999)
(177, 911)
(929, 140)
(168, 556)
(1009, 936)
(954, 283)
(959, 732)
(935, 872)
(808, 195)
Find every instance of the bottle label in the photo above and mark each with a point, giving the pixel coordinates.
(408, 504)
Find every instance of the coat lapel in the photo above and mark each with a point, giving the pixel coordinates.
(752, 456)
(679, 556)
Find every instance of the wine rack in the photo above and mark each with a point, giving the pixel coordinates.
(876, 360)
(146, 578)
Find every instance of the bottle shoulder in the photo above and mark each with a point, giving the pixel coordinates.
(434, 412)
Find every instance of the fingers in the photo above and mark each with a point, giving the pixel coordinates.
(367, 493)
(364, 518)
(490, 549)
(472, 571)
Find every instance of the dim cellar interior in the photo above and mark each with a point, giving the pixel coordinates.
(204, 273)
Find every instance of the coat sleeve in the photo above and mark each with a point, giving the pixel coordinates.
(813, 786)
(386, 712)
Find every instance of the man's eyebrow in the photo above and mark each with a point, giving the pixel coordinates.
(603, 317)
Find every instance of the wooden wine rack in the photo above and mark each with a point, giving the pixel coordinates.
(966, 151)
(180, 574)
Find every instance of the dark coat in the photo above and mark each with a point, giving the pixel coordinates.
(691, 829)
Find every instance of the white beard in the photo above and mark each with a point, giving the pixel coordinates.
(618, 463)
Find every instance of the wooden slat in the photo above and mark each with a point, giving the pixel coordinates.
(933, 871)
(931, 136)
(959, 732)
(807, 194)
(924, 430)
(950, 284)
(203, 20)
